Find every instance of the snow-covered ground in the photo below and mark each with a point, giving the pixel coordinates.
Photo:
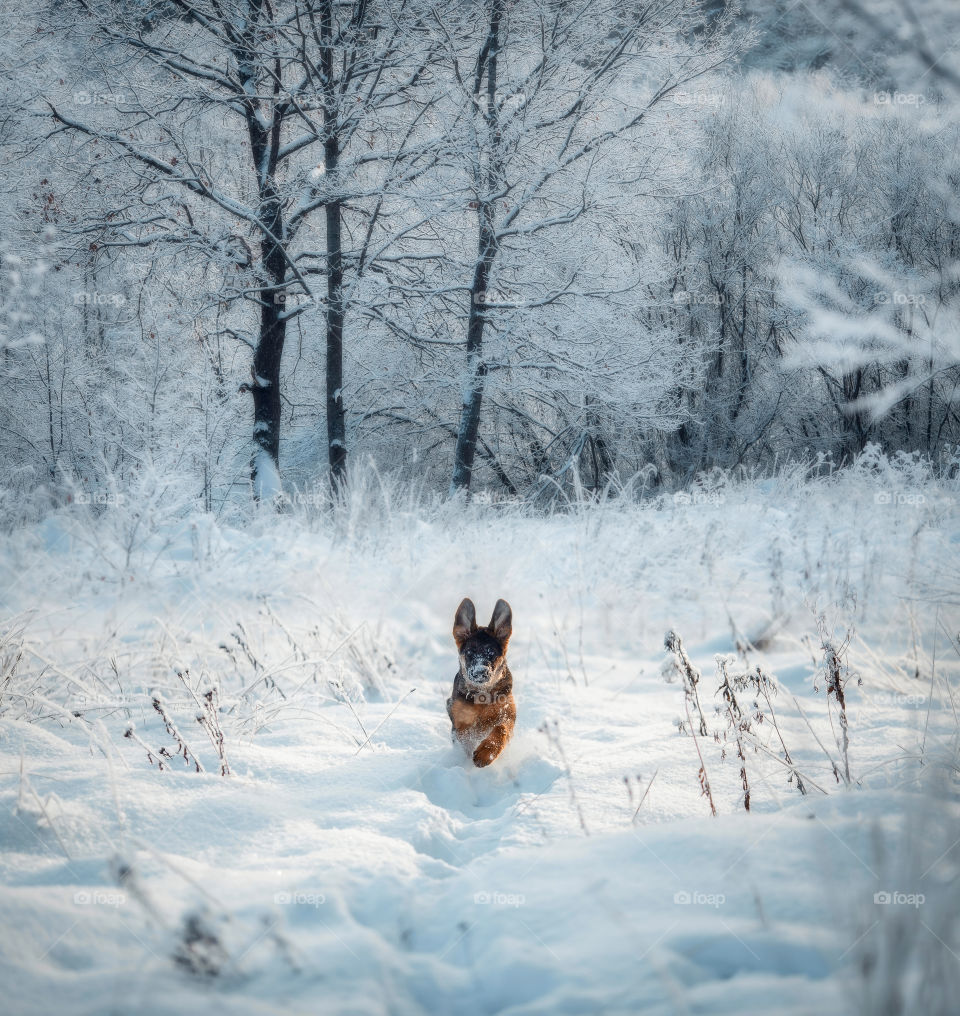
(355, 862)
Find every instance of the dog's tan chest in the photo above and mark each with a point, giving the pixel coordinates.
(467, 715)
(464, 714)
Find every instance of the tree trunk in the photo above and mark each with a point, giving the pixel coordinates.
(466, 448)
(476, 372)
(265, 467)
(336, 422)
(265, 388)
(602, 460)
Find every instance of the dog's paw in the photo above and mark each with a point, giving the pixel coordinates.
(484, 755)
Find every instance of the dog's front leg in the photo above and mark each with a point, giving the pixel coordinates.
(491, 746)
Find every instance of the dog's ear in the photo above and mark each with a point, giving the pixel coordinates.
(465, 622)
(501, 624)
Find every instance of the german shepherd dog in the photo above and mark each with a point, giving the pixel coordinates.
(481, 707)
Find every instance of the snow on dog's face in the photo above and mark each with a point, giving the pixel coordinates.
(483, 651)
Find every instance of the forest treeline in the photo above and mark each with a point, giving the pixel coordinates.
(514, 246)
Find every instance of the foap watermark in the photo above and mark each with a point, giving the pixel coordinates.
(492, 296)
(498, 899)
(489, 698)
(290, 301)
(898, 299)
(696, 899)
(91, 97)
(93, 298)
(699, 497)
(101, 498)
(908, 497)
(308, 498)
(898, 899)
(899, 99)
(699, 98)
(99, 898)
(300, 898)
(696, 299)
(887, 698)
(503, 100)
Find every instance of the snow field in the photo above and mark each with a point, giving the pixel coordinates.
(356, 862)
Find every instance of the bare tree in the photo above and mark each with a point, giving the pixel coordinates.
(291, 88)
(548, 89)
